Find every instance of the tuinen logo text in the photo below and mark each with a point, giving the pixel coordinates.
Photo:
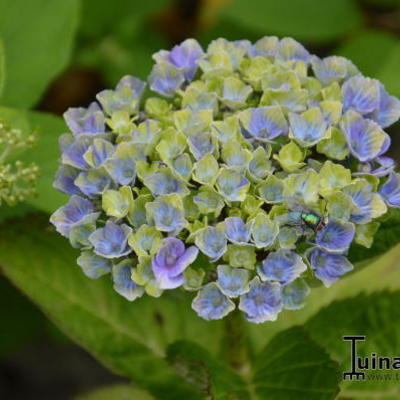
(373, 362)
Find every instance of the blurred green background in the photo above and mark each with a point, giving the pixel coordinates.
(60, 53)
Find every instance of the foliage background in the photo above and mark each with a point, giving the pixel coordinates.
(56, 54)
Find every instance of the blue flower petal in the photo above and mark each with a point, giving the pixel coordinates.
(390, 190)
(237, 231)
(167, 213)
(264, 123)
(283, 266)
(329, 267)
(233, 282)
(210, 303)
(94, 266)
(289, 49)
(123, 283)
(111, 241)
(294, 294)
(309, 127)
(125, 97)
(365, 137)
(332, 69)
(78, 211)
(212, 242)
(85, 121)
(263, 302)
(94, 182)
(166, 79)
(336, 237)
(73, 152)
(361, 94)
(64, 180)
(388, 111)
(98, 152)
(163, 182)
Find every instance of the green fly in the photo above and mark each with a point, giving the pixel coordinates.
(305, 218)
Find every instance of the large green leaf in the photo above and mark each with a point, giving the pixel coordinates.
(375, 316)
(365, 48)
(38, 37)
(2, 67)
(130, 338)
(293, 366)
(211, 376)
(116, 392)
(307, 20)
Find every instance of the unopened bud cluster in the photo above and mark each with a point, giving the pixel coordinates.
(17, 179)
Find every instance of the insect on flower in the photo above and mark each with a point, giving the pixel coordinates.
(304, 217)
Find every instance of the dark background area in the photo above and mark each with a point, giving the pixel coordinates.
(117, 38)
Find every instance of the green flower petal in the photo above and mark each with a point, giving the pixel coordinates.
(117, 203)
(290, 157)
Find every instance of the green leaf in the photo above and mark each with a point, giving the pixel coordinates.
(367, 47)
(375, 316)
(200, 369)
(306, 20)
(293, 366)
(130, 338)
(45, 153)
(116, 392)
(38, 37)
(126, 47)
(100, 18)
(2, 68)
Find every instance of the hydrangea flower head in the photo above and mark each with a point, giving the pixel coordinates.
(247, 174)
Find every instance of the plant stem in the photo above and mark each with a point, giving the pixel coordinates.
(235, 346)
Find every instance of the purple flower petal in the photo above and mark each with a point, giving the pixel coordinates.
(170, 262)
(183, 56)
